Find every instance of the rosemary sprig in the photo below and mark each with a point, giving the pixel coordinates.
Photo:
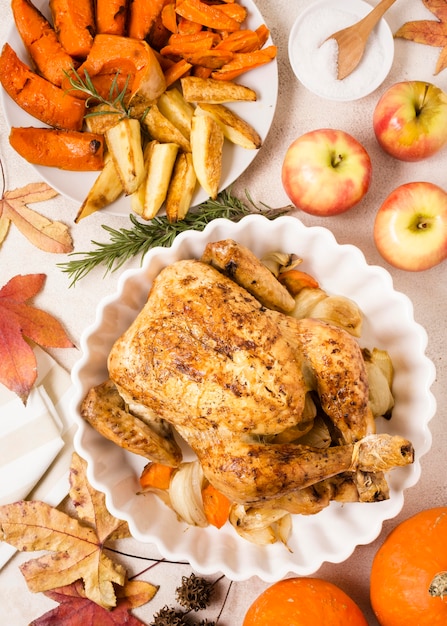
(114, 102)
(127, 243)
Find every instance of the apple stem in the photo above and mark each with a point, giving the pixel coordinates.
(421, 104)
(336, 160)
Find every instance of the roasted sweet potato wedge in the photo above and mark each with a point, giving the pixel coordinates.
(65, 149)
(37, 96)
(41, 41)
(111, 16)
(74, 23)
(142, 15)
(134, 58)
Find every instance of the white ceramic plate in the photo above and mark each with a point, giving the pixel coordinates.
(330, 535)
(313, 61)
(75, 185)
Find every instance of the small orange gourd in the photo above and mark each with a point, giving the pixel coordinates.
(304, 602)
(408, 573)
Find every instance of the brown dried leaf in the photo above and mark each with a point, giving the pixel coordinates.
(426, 32)
(4, 227)
(75, 609)
(437, 7)
(441, 63)
(18, 319)
(76, 550)
(429, 32)
(90, 504)
(43, 233)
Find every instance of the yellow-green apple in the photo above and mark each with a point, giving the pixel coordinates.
(410, 229)
(410, 120)
(326, 172)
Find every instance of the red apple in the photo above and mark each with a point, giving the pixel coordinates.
(326, 172)
(410, 120)
(410, 230)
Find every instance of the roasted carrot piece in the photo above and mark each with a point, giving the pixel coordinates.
(295, 280)
(37, 96)
(201, 72)
(180, 48)
(244, 61)
(158, 35)
(111, 16)
(206, 14)
(233, 10)
(41, 41)
(74, 23)
(199, 36)
(263, 34)
(187, 27)
(240, 41)
(156, 475)
(142, 15)
(164, 62)
(213, 59)
(65, 149)
(169, 17)
(215, 505)
(176, 71)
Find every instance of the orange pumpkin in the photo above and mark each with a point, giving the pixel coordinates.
(405, 586)
(304, 602)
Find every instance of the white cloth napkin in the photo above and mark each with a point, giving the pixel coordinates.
(36, 440)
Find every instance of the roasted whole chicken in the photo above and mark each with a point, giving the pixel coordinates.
(215, 356)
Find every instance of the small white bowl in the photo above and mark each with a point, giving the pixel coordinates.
(313, 59)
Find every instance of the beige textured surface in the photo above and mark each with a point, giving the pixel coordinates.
(297, 111)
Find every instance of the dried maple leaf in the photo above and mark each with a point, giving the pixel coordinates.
(43, 233)
(429, 32)
(18, 319)
(76, 610)
(76, 547)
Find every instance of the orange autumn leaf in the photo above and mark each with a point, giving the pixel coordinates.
(74, 608)
(40, 231)
(20, 321)
(437, 7)
(429, 32)
(76, 546)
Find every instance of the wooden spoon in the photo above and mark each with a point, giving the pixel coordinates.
(352, 40)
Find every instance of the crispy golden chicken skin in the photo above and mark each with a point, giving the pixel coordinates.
(208, 358)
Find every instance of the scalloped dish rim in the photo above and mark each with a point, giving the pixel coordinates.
(329, 536)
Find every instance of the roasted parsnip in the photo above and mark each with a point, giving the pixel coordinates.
(124, 144)
(181, 188)
(160, 164)
(174, 107)
(206, 143)
(105, 190)
(196, 89)
(163, 130)
(101, 117)
(235, 129)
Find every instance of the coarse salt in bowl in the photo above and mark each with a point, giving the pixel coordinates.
(314, 60)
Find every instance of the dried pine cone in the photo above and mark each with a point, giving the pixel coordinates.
(168, 617)
(194, 593)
